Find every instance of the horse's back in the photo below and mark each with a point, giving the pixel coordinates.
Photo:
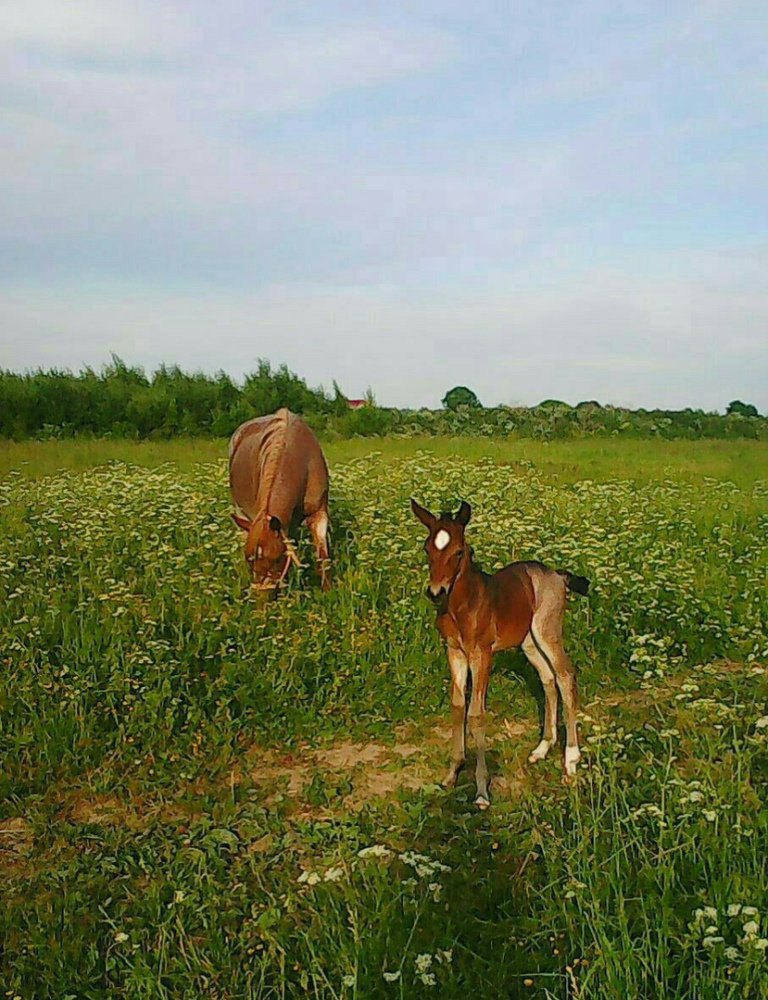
(280, 454)
(513, 598)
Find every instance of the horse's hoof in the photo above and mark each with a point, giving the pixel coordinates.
(540, 752)
(482, 802)
(572, 758)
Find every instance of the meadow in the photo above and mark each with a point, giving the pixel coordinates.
(201, 798)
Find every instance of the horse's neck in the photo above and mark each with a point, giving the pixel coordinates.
(270, 503)
(468, 587)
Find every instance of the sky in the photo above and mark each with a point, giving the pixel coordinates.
(539, 200)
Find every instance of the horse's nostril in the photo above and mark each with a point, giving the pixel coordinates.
(435, 594)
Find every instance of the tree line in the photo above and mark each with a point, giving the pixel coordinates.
(123, 401)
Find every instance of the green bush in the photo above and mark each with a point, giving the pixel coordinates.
(123, 401)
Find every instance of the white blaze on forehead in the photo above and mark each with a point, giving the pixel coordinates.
(441, 539)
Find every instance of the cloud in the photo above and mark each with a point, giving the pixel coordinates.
(538, 194)
(594, 333)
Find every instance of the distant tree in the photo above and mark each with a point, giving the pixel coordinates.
(338, 403)
(460, 395)
(554, 404)
(742, 409)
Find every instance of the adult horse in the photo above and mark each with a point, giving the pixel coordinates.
(278, 473)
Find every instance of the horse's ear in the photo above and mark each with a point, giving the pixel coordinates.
(275, 525)
(242, 522)
(463, 514)
(426, 517)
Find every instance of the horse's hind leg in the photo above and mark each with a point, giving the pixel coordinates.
(318, 525)
(547, 635)
(545, 672)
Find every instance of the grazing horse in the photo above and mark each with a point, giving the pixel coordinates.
(479, 614)
(277, 470)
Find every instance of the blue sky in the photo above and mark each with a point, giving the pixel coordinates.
(539, 200)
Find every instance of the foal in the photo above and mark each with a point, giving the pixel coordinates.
(479, 614)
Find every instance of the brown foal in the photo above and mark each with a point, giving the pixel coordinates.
(479, 614)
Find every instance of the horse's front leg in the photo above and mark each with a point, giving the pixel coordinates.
(458, 664)
(318, 526)
(480, 664)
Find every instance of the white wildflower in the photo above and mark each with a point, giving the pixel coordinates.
(428, 978)
(710, 930)
(749, 911)
(761, 944)
(423, 962)
(348, 980)
(444, 957)
(179, 896)
(333, 875)
(762, 723)
(392, 977)
(731, 954)
(310, 878)
(734, 909)
(375, 851)
(709, 815)
(121, 936)
(710, 942)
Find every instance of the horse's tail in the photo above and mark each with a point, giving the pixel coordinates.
(576, 584)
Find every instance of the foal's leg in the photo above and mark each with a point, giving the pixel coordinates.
(318, 525)
(565, 674)
(458, 664)
(480, 665)
(547, 631)
(547, 676)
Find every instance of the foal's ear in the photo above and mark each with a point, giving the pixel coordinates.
(242, 522)
(426, 517)
(463, 514)
(275, 525)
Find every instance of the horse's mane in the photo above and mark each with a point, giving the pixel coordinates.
(270, 453)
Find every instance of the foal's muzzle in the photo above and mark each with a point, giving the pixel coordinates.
(436, 594)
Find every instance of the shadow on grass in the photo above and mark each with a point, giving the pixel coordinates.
(491, 908)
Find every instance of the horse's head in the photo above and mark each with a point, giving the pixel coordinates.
(267, 551)
(445, 547)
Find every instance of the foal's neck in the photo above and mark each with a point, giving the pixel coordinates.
(467, 580)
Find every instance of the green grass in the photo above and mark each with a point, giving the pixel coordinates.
(188, 781)
(740, 462)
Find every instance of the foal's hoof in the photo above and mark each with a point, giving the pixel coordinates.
(540, 752)
(572, 758)
(482, 802)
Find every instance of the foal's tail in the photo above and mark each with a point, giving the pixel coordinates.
(578, 584)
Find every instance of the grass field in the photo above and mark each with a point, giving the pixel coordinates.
(204, 799)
